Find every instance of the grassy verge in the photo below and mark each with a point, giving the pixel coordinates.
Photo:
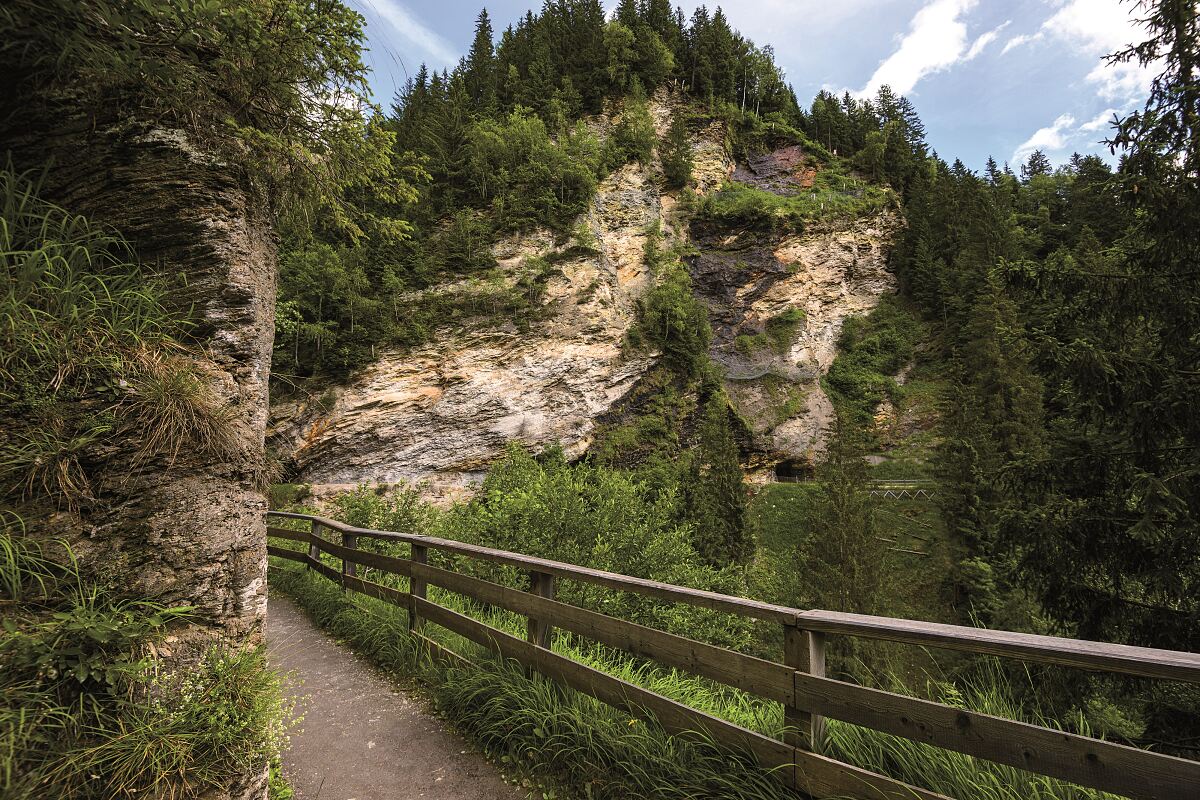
(92, 706)
(583, 747)
(575, 743)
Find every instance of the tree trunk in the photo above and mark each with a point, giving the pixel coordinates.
(187, 531)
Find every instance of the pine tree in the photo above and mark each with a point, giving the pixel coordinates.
(676, 153)
(480, 75)
(718, 494)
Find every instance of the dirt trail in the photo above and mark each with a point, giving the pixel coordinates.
(363, 738)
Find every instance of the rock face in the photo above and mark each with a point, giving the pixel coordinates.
(187, 530)
(443, 412)
(828, 273)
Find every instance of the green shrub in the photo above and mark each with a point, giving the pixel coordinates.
(672, 319)
(871, 350)
(834, 194)
(633, 137)
(595, 517)
(777, 336)
(88, 708)
(285, 496)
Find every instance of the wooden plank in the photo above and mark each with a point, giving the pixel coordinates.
(398, 566)
(314, 543)
(326, 570)
(379, 591)
(348, 562)
(288, 533)
(1079, 759)
(805, 652)
(326, 522)
(810, 773)
(755, 675)
(391, 564)
(441, 653)
(291, 555)
(539, 628)
(715, 601)
(416, 588)
(1100, 656)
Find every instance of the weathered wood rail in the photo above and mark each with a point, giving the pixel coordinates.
(798, 682)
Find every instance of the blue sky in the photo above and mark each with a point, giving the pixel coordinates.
(989, 77)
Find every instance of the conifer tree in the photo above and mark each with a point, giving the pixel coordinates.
(718, 494)
(1036, 164)
(847, 560)
(676, 153)
(480, 75)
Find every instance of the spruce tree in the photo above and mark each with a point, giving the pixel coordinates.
(847, 561)
(480, 74)
(718, 494)
(676, 153)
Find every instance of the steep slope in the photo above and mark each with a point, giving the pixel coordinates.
(441, 413)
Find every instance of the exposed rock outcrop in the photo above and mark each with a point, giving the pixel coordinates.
(185, 528)
(828, 273)
(443, 412)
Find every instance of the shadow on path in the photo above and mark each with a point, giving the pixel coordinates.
(363, 738)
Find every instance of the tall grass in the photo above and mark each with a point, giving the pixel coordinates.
(88, 353)
(86, 709)
(597, 751)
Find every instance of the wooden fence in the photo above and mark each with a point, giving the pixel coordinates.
(798, 682)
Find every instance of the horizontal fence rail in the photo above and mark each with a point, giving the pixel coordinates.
(798, 682)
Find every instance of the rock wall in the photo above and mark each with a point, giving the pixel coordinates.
(829, 273)
(443, 412)
(189, 530)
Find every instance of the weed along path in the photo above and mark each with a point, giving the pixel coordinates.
(363, 738)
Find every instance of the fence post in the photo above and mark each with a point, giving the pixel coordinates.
(803, 651)
(314, 552)
(416, 586)
(349, 568)
(538, 631)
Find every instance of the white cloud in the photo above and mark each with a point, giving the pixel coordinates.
(1052, 137)
(1124, 83)
(936, 40)
(984, 40)
(1063, 133)
(1018, 40)
(416, 32)
(1101, 121)
(1097, 28)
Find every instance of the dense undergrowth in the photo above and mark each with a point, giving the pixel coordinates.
(87, 709)
(835, 194)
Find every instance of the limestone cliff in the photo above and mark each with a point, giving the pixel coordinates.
(442, 412)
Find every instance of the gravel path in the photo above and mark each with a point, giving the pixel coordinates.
(362, 738)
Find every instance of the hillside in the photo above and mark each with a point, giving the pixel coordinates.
(666, 384)
(441, 412)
